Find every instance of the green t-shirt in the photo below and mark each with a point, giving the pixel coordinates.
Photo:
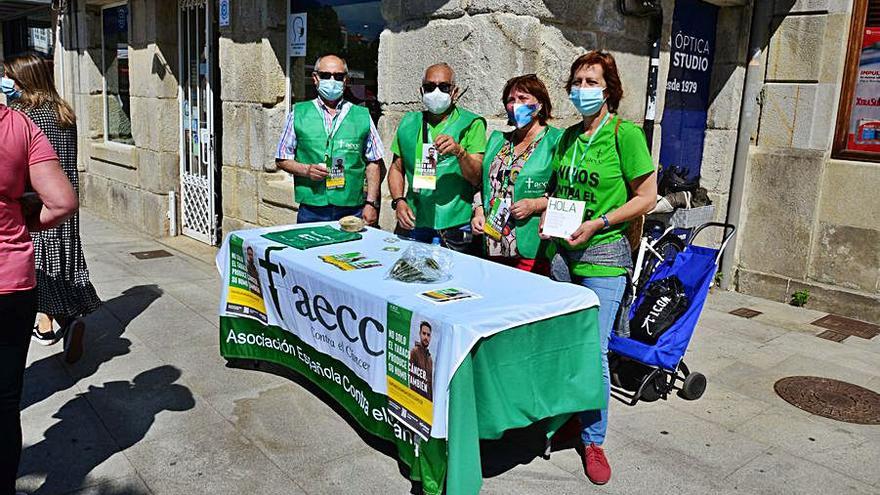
(474, 140)
(601, 178)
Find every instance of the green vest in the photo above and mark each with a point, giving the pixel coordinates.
(450, 205)
(530, 183)
(313, 146)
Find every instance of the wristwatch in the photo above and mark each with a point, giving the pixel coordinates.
(395, 201)
(374, 204)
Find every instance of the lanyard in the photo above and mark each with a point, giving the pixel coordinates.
(589, 143)
(505, 181)
(334, 127)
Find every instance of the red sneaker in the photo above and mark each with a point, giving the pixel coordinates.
(596, 465)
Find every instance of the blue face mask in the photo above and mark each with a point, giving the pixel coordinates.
(8, 87)
(330, 89)
(522, 114)
(588, 101)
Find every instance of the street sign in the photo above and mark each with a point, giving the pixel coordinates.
(224, 13)
(296, 35)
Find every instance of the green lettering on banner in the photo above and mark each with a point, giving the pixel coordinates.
(242, 338)
(399, 322)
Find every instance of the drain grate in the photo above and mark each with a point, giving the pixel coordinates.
(831, 399)
(848, 326)
(833, 336)
(149, 255)
(745, 312)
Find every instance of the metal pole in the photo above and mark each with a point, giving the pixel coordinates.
(748, 119)
(653, 74)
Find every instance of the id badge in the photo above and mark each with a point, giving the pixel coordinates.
(499, 213)
(336, 179)
(425, 173)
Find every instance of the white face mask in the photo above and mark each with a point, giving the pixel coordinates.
(437, 101)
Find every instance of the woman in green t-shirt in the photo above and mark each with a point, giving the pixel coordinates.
(603, 161)
(516, 168)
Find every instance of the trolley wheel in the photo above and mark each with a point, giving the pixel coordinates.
(693, 387)
(655, 387)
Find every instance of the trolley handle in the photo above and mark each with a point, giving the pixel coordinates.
(729, 230)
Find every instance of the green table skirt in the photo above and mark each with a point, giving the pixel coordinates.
(546, 369)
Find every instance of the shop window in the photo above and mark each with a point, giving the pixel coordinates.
(858, 120)
(349, 28)
(114, 48)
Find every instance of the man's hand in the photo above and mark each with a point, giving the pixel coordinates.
(317, 171)
(405, 218)
(478, 221)
(447, 146)
(371, 215)
(585, 232)
(523, 209)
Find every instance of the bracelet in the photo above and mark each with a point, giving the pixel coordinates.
(374, 204)
(605, 221)
(395, 201)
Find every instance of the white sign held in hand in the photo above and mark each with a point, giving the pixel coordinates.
(563, 217)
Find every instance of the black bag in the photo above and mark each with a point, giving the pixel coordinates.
(675, 179)
(664, 301)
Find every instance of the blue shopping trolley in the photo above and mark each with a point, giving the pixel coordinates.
(641, 371)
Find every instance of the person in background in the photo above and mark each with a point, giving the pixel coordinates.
(26, 157)
(604, 161)
(516, 169)
(64, 292)
(331, 147)
(439, 152)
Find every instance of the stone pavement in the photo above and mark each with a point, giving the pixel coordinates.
(152, 408)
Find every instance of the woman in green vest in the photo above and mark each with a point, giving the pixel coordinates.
(604, 162)
(516, 168)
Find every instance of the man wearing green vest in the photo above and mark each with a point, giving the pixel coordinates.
(439, 152)
(331, 148)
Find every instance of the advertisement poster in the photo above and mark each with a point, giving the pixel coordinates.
(410, 369)
(687, 89)
(864, 126)
(245, 295)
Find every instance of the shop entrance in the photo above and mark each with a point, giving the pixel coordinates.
(199, 172)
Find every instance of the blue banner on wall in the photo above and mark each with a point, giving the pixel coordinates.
(683, 127)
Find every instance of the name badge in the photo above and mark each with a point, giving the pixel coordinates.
(499, 213)
(563, 217)
(336, 179)
(425, 173)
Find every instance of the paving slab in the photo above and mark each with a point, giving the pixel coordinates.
(778, 473)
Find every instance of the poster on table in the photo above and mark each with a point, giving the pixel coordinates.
(412, 343)
(688, 86)
(864, 126)
(244, 292)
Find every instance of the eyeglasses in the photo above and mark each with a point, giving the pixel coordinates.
(445, 87)
(339, 76)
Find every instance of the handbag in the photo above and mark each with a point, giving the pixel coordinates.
(663, 302)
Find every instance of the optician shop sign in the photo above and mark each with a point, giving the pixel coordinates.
(687, 89)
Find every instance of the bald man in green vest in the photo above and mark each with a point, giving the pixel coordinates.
(332, 147)
(439, 153)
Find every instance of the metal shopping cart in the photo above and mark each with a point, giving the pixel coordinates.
(648, 372)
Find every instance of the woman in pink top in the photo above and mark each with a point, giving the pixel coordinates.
(26, 158)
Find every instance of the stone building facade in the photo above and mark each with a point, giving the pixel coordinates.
(807, 220)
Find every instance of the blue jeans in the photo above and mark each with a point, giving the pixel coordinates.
(610, 291)
(309, 214)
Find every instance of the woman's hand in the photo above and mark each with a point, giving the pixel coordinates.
(541, 227)
(523, 209)
(478, 221)
(585, 232)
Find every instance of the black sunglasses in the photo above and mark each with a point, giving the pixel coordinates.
(339, 76)
(445, 87)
